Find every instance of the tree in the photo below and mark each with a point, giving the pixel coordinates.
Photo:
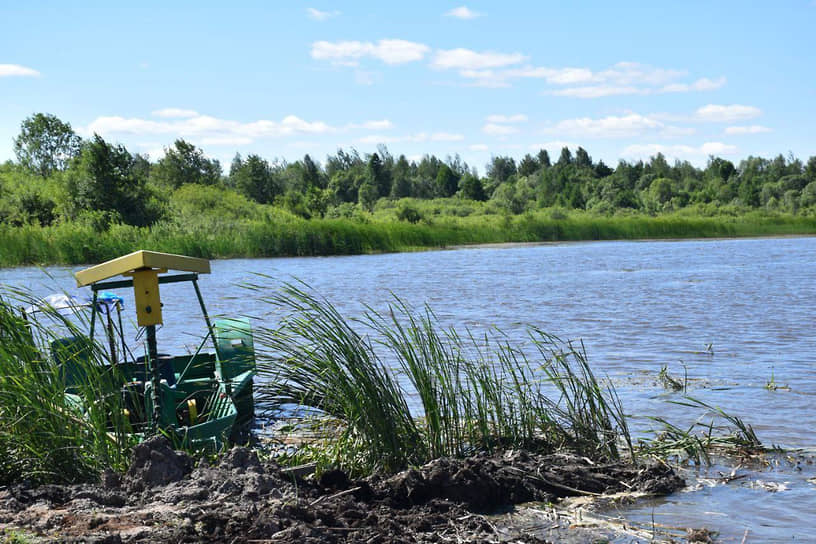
(472, 187)
(312, 176)
(810, 169)
(544, 159)
(446, 182)
(582, 158)
(45, 144)
(500, 169)
(378, 176)
(255, 178)
(105, 178)
(185, 163)
(368, 195)
(528, 165)
(401, 182)
(565, 158)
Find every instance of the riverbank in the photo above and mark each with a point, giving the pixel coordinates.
(287, 236)
(163, 498)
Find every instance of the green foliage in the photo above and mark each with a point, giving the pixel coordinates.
(409, 214)
(476, 395)
(185, 163)
(45, 144)
(44, 436)
(256, 179)
(103, 177)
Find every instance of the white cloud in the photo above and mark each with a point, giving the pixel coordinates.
(623, 78)
(174, 113)
(467, 59)
(463, 12)
(702, 84)
(597, 91)
(383, 124)
(478, 147)
(607, 127)
(641, 151)
(227, 140)
(498, 118)
(205, 127)
(16, 70)
(411, 138)
(724, 114)
(318, 15)
(350, 52)
(752, 129)
(494, 129)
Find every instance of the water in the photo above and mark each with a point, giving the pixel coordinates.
(729, 314)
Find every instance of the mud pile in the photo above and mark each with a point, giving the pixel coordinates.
(163, 498)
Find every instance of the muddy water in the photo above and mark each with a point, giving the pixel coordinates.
(725, 315)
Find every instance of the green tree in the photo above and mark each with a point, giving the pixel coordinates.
(472, 188)
(501, 169)
(312, 176)
(254, 178)
(544, 159)
(185, 163)
(565, 158)
(401, 182)
(378, 176)
(105, 178)
(582, 158)
(45, 144)
(528, 165)
(446, 182)
(368, 195)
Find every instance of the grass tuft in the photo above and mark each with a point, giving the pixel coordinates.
(476, 394)
(44, 436)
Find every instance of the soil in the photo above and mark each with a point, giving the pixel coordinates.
(165, 498)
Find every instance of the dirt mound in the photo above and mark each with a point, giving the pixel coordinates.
(162, 498)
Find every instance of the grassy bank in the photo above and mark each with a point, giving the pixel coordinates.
(277, 234)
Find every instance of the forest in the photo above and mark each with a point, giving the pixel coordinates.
(62, 187)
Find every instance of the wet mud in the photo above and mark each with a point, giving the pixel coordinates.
(164, 497)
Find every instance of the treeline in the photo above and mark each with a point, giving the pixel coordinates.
(59, 177)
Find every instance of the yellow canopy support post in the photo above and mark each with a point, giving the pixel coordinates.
(144, 267)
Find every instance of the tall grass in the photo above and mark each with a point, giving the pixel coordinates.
(276, 233)
(475, 394)
(44, 435)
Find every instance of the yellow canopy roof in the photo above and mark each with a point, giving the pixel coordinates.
(140, 260)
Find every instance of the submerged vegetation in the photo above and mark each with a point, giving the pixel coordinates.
(68, 200)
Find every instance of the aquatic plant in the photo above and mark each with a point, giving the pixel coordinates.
(700, 439)
(476, 394)
(44, 437)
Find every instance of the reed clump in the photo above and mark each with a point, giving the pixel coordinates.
(46, 437)
(474, 394)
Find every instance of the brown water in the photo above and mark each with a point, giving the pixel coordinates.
(730, 314)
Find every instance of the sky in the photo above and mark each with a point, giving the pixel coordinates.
(625, 80)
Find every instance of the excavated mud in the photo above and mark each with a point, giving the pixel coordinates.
(164, 498)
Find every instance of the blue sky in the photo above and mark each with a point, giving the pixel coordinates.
(622, 79)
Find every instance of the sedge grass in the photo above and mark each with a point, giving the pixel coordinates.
(44, 436)
(475, 394)
(272, 232)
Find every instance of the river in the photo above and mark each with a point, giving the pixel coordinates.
(731, 315)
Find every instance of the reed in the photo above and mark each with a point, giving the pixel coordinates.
(44, 436)
(266, 231)
(701, 439)
(475, 394)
